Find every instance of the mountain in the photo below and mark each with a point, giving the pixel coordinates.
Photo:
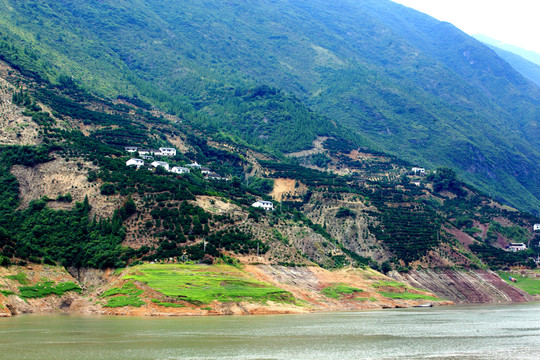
(528, 55)
(400, 80)
(342, 216)
(511, 54)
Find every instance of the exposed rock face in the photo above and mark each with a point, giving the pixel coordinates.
(465, 286)
(90, 277)
(59, 177)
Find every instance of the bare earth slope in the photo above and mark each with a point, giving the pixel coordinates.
(465, 286)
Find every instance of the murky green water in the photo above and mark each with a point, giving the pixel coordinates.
(482, 332)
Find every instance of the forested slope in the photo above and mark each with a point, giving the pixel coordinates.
(403, 81)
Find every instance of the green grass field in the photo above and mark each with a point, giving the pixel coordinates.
(382, 283)
(527, 284)
(20, 277)
(338, 291)
(47, 288)
(200, 284)
(128, 296)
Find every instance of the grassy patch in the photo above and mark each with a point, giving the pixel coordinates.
(339, 291)
(127, 289)
(20, 277)
(167, 304)
(199, 284)
(6, 292)
(382, 283)
(527, 284)
(408, 296)
(47, 288)
(127, 295)
(121, 301)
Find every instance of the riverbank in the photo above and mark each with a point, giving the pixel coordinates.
(209, 290)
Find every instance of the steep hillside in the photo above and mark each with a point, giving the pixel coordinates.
(527, 68)
(528, 55)
(71, 199)
(402, 81)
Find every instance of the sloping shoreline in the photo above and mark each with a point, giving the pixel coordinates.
(308, 287)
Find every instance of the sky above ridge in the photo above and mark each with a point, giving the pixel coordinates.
(514, 22)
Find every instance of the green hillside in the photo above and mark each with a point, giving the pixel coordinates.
(401, 81)
(529, 69)
(70, 198)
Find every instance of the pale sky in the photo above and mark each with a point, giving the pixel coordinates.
(515, 22)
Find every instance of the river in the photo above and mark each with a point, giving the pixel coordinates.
(466, 332)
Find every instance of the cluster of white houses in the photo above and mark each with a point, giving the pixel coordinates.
(147, 154)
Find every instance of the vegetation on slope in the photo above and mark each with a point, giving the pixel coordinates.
(375, 66)
(199, 284)
(528, 282)
(159, 214)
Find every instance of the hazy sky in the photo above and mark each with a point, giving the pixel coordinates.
(515, 22)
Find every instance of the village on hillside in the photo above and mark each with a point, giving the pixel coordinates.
(148, 155)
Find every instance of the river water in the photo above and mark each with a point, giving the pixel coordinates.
(473, 332)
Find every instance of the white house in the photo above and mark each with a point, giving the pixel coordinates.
(194, 165)
(135, 162)
(160, 163)
(516, 247)
(214, 176)
(167, 151)
(179, 170)
(419, 170)
(131, 149)
(536, 227)
(205, 170)
(146, 152)
(266, 205)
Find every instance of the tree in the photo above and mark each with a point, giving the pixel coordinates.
(129, 207)
(446, 179)
(386, 267)
(108, 189)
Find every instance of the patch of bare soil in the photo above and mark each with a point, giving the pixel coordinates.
(317, 148)
(287, 188)
(179, 143)
(464, 239)
(15, 128)
(60, 177)
(217, 206)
